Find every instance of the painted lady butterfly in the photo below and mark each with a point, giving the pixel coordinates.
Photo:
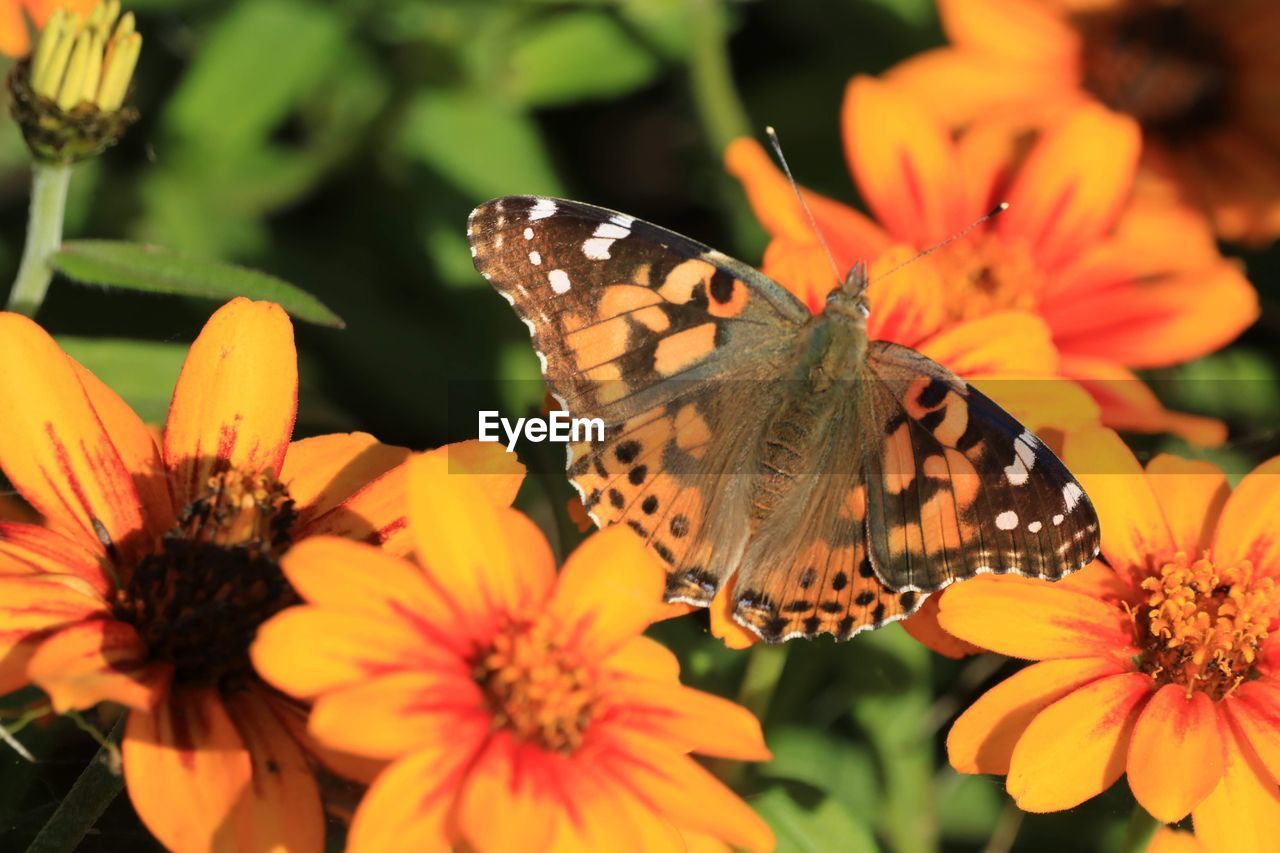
(837, 480)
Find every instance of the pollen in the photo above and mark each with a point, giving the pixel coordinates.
(536, 687)
(1201, 624)
(198, 600)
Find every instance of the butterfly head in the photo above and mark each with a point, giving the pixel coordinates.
(850, 299)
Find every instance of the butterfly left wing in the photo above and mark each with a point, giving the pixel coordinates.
(957, 487)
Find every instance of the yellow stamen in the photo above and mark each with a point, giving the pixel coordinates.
(46, 83)
(988, 274)
(120, 63)
(69, 94)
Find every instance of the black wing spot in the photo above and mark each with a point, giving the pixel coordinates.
(812, 624)
(808, 577)
(877, 615)
(864, 598)
(616, 498)
(627, 452)
(721, 286)
(831, 607)
(638, 474)
(908, 600)
(650, 505)
(664, 552)
(865, 569)
(840, 581)
(798, 606)
(679, 527)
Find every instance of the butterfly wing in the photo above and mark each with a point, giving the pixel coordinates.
(948, 486)
(964, 488)
(667, 342)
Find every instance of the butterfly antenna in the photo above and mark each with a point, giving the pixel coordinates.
(795, 188)
(995, 211)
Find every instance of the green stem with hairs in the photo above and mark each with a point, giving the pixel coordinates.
(49, 183)
(88, 798)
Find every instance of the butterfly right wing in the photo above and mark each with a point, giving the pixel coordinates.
(664, 340)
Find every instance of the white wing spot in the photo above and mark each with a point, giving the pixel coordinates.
(473, 251)
(612, 230)
(1058, 519)
(559, 281)
(1024, 449)
(542, 208)
(1034, 527)
(1007, 520)
(597, 248)
(622, 221)
(497, 242)
(528, 233)
(1072, 493)
(535, 258)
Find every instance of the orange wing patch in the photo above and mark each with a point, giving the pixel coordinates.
(682, 350)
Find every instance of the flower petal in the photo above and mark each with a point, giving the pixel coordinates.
(352, 577)
(1168, 840)
(518, 782)
(1034, 619)
(31, 608)
(982, 739)
(1006, 342)
(136, 444)
(324, 471)
(1247, 528)
(235, 400)
(498, 473)
(409, 804)
(393, 715)
(691, 720)
(1073, 185)
(487, 560)
(609, 590)
(1255, 710)
(376, 513)
(1191, 494)
(29, 549)
(185, 766)
(906, 308)
(685, 792)
(280, 808)
(1243, 812)
(724, 625)
(55, 449)
(644, 658)
(1134, 529)
(1175, 754)
(1011, 29)
(904, 163)
(1075, 749)
(98, 660)
(1128, 404)
(308, 650)
(924, 629)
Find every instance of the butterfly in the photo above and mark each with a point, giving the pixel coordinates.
(834, 481)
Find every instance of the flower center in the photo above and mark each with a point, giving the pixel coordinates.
(986, 275)
(535, 687)
(1159, 65)
(197, 602)
(1202, 624)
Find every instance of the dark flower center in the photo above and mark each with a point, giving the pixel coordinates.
(535, 687)
(1159, 64)
(197, 603)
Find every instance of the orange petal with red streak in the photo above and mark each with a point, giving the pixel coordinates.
(1175, 754)
(409, 805)
(602, 609)
(517, 781)
(1073, 185)
(31, 608)
(29, 549)
(1247, 526)
(185, 766)
(1076, 748)
(235, 400)
(983, 738)
(924, 629)
(1034, 619)
(280, 808)
(1243, 812)
(1191, 494)
(1255, 710)
(98, 660)
(904, 163)
(56, 451)
(693, 721)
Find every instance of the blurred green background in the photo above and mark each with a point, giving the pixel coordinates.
(340, 145)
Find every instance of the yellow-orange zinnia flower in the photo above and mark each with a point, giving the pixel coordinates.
(15, 37)
(1162, 663)
(1199, 76)
(154, 565)
(1119, 283)
(521, 710)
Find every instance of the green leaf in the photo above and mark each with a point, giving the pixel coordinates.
(153, 269)
(968, 806)
(834, 765)
(824, 825)
(141, 372)
(483, 147)
(576, 56)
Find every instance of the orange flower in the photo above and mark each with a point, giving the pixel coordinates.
(156, 564)
(1118, 283)
(15, 32)
(497, 688)
(1200, 77)
(1162, 662)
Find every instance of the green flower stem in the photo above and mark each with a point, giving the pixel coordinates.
(759, 685)
(49, 184)
(88, 798)
(1138, 833)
